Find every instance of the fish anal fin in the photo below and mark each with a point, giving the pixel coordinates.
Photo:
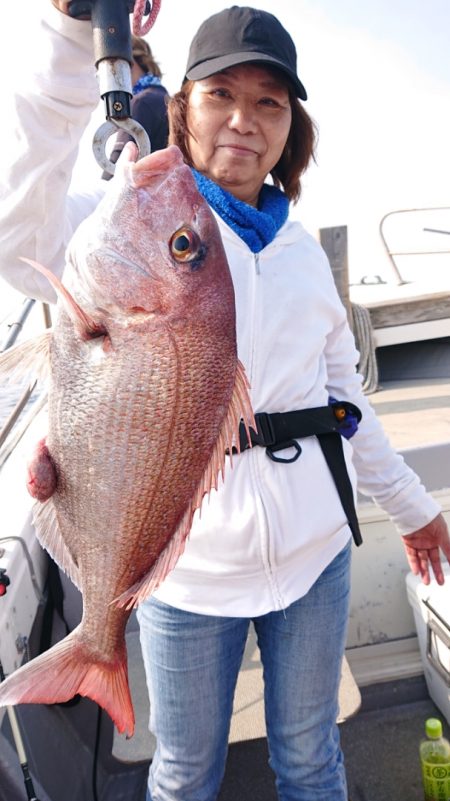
(30, 357)
(49, 535)
(240, 408)
(68, 669)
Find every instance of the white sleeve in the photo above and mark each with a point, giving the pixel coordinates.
(45, 117)
(382, 473)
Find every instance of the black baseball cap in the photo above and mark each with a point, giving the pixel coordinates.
(240, 35)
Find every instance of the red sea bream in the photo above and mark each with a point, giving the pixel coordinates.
(145, 397)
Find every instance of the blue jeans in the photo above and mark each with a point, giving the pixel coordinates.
(192, 663)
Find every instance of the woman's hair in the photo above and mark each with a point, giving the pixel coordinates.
(297, 153)
(143, 56)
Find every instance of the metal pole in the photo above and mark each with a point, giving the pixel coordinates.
(391, 254)
(16, 327)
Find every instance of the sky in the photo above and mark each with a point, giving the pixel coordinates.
(377, 75)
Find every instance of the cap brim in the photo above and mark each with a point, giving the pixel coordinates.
(213, 65)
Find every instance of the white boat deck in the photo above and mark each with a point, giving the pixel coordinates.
(415, 413)
(385, 292)
(410, 312)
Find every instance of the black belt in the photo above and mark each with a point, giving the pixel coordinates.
(280, 430)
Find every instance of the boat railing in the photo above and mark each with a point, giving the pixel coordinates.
(22, 409)
(394, 253)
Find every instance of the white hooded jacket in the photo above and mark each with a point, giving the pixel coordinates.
(265, 536)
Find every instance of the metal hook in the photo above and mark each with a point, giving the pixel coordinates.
(101, 136)
(113, 59)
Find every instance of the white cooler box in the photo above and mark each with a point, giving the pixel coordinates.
(431, 607)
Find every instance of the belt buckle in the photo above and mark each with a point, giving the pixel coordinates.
(267, 437)
(265, 433)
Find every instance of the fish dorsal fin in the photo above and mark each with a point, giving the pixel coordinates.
(239, 409)
(28, 357)
(49, 535)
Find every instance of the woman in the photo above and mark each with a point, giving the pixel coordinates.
(273, 543)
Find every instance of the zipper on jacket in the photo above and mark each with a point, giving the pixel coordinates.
(252, 315)
(264, 534)
(263, 521)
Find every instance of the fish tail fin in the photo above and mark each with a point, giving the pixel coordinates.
(68, 669)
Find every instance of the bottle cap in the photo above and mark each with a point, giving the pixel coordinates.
(433, 728)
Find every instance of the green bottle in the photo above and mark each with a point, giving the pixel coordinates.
(435, 760)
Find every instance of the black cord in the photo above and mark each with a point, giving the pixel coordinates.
(28, 781)
(96, 753)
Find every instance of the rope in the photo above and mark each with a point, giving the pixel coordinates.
(363, 332)
(141, 28)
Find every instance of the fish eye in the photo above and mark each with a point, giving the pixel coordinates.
(184, 244)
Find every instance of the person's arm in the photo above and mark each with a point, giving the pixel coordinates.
(46, 116)
(382, 473)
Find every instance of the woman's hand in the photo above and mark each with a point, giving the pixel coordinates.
(422, 549)
(63, 5)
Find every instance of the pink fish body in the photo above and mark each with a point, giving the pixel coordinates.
(145, 398)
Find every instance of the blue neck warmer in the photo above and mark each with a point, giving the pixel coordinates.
(257, 227)
(144, 82)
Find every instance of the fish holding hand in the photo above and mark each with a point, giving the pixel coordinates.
(146, 394)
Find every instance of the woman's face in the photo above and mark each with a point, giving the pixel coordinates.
(238, 122)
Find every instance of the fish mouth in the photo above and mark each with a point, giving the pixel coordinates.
(154, 168)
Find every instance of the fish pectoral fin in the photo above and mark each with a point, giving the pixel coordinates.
(30, 357)
(240, 408)
(49, 535)
(69, 669)
(84, 324)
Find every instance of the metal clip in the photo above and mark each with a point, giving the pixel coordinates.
(114, 78)
(101, 136)
(113, 58)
